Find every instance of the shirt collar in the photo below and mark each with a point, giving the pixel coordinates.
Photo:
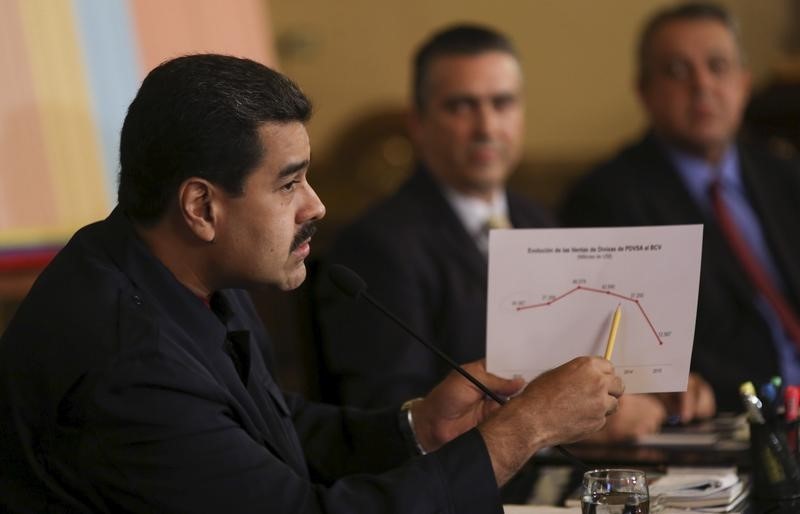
(474, 212)
(697, 174)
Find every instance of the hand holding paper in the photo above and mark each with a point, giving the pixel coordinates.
(551, 291)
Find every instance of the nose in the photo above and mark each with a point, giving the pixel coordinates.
(313, 209)
(702, 78)
(485, 119)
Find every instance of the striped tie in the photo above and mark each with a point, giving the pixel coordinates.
(752, 267)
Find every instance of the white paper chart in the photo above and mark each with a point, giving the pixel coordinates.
(553, 293)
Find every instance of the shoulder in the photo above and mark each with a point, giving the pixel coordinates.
(628, 167)
(526, 213)
(81, 284)
(629, 161)
(764, 161)
(83, 303)
(70, 323)
(397, 220)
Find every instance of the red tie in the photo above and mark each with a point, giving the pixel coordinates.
(755, 272)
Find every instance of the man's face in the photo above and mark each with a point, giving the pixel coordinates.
(469, 132)
(695, 87)
(263, 235)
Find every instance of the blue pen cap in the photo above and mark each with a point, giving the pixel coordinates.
(768, 392)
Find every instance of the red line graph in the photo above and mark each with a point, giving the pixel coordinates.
(600, 291)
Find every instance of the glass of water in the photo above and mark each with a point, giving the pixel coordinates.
(615, 491)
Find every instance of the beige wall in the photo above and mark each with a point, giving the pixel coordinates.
(352, 57)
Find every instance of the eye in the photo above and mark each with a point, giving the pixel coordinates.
(459, 105)
(503, 102)
(719, 65)
(677, 69)
(289, 186)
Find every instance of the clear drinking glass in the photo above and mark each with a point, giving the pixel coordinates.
(615, 491)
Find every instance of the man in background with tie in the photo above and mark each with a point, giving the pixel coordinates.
(423, 250)
(690, 168)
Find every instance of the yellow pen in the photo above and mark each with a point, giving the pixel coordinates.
(612, 334)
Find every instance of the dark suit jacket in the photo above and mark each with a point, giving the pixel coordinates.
(119, 393)
(418, 259)
(640, 187)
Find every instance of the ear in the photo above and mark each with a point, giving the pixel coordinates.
(197, 205)
(747, 83)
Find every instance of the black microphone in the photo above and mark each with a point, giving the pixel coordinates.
(354, 286)
(351, 284)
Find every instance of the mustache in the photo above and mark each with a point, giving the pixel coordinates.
(306, 231)
(483, 140)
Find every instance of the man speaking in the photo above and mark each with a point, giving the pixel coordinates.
(133, 377)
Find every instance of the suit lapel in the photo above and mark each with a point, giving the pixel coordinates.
(443, 227)
(665, 187)
(777, 221)
(671, 198)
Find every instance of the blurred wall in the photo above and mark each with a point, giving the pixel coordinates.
(69, 69)
(352, 57)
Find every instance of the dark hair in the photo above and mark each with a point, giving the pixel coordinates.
(684, 12)
(198, 116)
(454, 40)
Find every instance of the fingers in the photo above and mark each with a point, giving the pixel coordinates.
(705, 403)
(612, 383)
(636, 415)
(612, 404)
(649, 414)
(617, 387)
(608, 380)
(501, 386)
(686, 402)
(600, 364)
(697, 402)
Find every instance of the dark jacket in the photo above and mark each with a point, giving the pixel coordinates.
(418, 259)
(121, 391)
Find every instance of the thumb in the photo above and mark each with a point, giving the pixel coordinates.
(687, 407)
(505, 386)
(499, 385)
